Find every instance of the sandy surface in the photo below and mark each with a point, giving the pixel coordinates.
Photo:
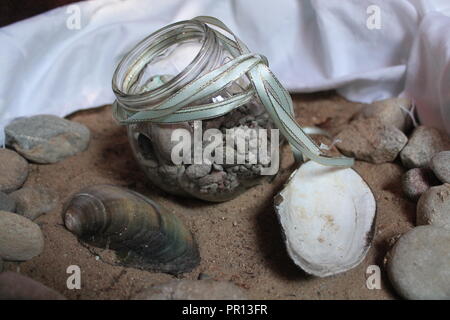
(239, 240)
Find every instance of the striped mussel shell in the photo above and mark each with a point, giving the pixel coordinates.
(144, 234)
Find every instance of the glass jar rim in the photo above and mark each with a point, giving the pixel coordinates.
(139, 54)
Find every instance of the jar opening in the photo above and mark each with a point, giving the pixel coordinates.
(180, 52)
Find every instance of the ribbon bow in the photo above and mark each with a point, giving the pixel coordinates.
(265, 86)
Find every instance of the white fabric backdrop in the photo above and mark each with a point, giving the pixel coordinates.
(312, 45)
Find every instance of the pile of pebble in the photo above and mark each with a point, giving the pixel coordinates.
(218, 181)
(39, 139)
(418, 265)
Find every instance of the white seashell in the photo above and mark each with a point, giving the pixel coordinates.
(327, 215)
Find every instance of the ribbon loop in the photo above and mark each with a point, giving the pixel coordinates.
(264, 85)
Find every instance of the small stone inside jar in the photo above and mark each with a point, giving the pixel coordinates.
(152, 146)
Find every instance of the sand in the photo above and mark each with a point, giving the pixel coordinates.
(239, 240)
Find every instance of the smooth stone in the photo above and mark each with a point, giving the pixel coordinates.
(416, 181)
(371, 140)
(46, 138)
(196, 171)
(434, 207)
(13, 170)
(14, 286)
(32, 202)
(192, 290)
(161, 138)
(20, 238)
(440, 164)
(393, 112)
(423, 144)
(418, 265)
(7, 203)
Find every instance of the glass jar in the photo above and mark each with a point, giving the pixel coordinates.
(181, 53)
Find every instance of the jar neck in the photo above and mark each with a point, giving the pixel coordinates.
(133, 65)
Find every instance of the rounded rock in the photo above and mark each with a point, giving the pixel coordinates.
(192, 290)
(418, 264)
(434, 207)
(7, 203)
(416, 181)
(371, 140)
(440, 164)
(14, 286)
(392, 112)
(46, 138)
(13, 170)
(423, 144)
(31, 202)
(20, 238)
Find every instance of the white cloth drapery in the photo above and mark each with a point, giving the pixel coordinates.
(63, 60)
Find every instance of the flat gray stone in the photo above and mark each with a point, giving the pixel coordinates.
(192, 290)
(423, 144)
(418, 265)
(46, 138)
(440, 164)
(7, 203)
(14, 286)
(31, 202)
(13, 170)
(371, 140)
(434, 207)
(418, 180)
(20, 238)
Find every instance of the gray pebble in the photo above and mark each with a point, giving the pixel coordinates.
(418, 265)
(196, 171)
(7, 203)
(14, 286)
(423, 144)
(434, 207)
(193, 290)
(13, 170)
(371, 140)
(46, 138)
(20, 238)
(32, 202)
(160, 135)
(416, 181)
(393, 112)
(215, 177)
(440, 164)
